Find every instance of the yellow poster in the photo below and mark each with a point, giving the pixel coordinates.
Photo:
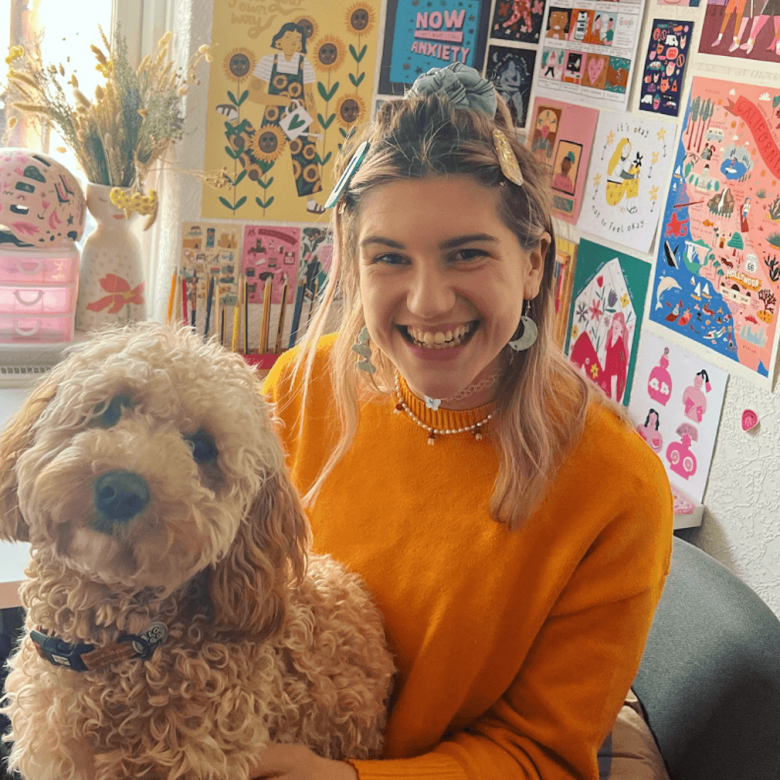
(289, 80)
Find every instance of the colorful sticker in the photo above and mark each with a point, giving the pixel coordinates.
(667, 58)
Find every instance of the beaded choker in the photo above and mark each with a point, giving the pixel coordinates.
(434, 431)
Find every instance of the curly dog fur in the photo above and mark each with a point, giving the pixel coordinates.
(266, 643)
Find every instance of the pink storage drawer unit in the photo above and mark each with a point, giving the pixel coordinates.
(36, 329)
(28, 267)
(38, 300)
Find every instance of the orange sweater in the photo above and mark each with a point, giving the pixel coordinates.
(515, 649)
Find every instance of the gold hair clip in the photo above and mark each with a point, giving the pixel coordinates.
(506, 158)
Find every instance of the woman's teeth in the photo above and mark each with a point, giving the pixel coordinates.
(440, 339)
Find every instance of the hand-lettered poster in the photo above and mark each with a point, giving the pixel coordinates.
(209, 250)
(628, 173)
(288, 82)
(565, 264)
(560, 137)
(422, 35)
(517, 20)
(512, 70)
(588, 50)
(676, 401)
(745, 29)
(607, 308)
(718, 270)
(667, 58)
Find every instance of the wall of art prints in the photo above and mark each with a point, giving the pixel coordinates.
(717, 276)
(420, 36)
(742, 29)
(676, 402)
(512, 72)
(606, 317)
(665, 64)
(589, 49)
(560, 137)
(628, 174)
(517, 20)
(283, 94)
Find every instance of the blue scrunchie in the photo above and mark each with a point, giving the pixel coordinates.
(463, 86)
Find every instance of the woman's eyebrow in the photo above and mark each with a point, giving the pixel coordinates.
(450, 243)
(381, 240)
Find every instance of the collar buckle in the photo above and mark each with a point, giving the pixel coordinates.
(60, 653)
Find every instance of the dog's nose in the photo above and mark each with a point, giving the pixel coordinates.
(120, 495)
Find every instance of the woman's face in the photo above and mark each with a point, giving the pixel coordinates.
(290, 43)
(442, 279)
(617, 327)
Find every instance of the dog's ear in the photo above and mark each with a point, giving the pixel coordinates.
(248, 588)
(15, 439)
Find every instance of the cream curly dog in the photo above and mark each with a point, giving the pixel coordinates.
(168, 561)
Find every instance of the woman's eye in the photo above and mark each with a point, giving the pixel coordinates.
(390, 259)
(203, 448)
(112, 414)
(468, 255)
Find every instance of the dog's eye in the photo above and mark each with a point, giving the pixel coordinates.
(112, 414)
(203, 448)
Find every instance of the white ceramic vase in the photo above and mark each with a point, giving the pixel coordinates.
(111, 281)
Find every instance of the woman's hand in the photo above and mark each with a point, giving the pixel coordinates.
(296, 762)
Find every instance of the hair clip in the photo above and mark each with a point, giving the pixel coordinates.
(345, 178)
(506, 158)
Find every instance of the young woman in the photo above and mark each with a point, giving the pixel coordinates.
(513, 529)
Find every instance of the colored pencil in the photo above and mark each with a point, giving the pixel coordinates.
(209, 303)
(246, 315)
(262, 346)
(194, 311)
(236, 312)
(184, 299)
(282, 311)
(172, 295)
(297, 313)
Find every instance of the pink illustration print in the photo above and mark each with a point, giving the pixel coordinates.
(659, 385)
(613, 378)
(583, 356)
(681, 460)
(694, 399)
(649, 431)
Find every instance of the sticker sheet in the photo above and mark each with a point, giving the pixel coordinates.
(210, 249)
(420, 36)
(561, 137)
(608, 304)
(517, 20)
(718, 269)
(665, 63)
(742, 29)
(676, 402)
(288, 81)
(271, 252)
(588, 50)
(628, 174)
(512, 71)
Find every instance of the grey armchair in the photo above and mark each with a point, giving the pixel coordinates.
(710, 675)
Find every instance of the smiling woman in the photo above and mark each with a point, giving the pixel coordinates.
(517, 588)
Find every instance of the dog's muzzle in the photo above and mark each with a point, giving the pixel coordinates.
(119, 496)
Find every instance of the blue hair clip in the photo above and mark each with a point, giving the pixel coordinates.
(345, 178)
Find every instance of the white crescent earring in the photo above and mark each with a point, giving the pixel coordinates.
(529, 334)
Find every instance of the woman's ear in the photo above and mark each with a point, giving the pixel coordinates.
(539, 258)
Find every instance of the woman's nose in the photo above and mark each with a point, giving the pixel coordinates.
(431, 293)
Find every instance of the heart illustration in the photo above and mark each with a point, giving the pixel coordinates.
(595, 66)
(749, 419)
(600, 281)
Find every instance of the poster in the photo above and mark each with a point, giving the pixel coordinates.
(676, 402)
(511, 71)
(588, 51)
(718, 270)
(517, 20)
(420, 36)
(742, 29)
(607, 308)
(561, 137)
(665, 64)
(271, 252)
(565, 264)
(628, 174)
(288, 82)
(209, 250)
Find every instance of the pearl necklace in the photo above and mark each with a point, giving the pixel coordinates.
(401, 406)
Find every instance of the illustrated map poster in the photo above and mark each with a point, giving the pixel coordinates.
(676, 402)
(588, 50)
(665, 63)
(718, 270)
(517, 20)
(742, 29)
(512, 70)
(561, 137)
(423, 35)
(288, 81)
(628, 173)
(608, 300)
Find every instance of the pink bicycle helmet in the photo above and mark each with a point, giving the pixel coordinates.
(41, 203)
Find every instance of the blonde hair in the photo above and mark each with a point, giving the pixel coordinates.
(541, 401)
